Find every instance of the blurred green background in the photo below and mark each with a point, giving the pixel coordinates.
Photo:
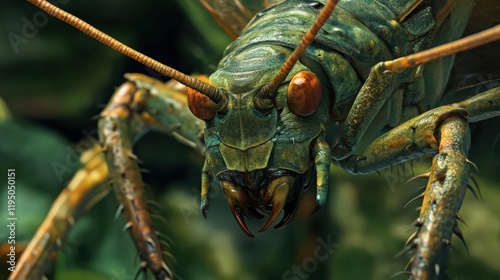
(56, 80)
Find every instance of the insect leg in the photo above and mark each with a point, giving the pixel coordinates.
(85, 189)
(417, 136)
(482, 106)
(443, 130)
(138, 105)
(377, 89)
(443, 198)
(383, 79)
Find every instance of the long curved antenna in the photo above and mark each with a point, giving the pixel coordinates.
(467, 43)
(269, 92)
(216, 95)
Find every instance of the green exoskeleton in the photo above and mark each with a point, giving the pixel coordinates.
(350, 81)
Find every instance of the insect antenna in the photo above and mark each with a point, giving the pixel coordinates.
(467, 43)
(215, 94)
(263, 100)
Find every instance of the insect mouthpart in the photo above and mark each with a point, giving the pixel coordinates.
(263, 192)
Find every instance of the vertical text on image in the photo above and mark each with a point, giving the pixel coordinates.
(11, 218)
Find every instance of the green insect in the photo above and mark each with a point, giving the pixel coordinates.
(304, 83)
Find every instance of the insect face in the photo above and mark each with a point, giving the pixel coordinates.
(264, 159)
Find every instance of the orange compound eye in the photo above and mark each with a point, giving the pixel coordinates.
(304, 93)
(200, 105)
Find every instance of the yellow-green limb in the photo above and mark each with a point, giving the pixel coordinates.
(141, 104)
(322, 161)
(87, 187)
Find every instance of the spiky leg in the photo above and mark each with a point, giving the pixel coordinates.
(138, 105)
(442, 200)
(85, 189)
(443, 130)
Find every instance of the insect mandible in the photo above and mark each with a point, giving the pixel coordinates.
(266, 141)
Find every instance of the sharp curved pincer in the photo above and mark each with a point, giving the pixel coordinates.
(240, 203)
(277, 194)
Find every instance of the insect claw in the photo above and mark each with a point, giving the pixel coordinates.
(320, 202)
(280, 195)
(241, 222)
(290, 209)
(287, 217)
(236, 193)
(235, 209)
(204, 204)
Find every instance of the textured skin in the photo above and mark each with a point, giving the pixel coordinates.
(346, 48)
